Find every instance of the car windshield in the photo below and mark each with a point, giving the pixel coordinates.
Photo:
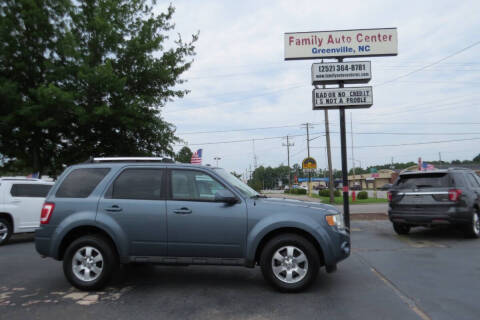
(235, 182)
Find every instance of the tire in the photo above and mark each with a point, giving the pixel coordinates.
(5, 231)
(401, 228)
(95, 254)
(289, 280)
(472, 230)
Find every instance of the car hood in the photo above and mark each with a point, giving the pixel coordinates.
(300, 205)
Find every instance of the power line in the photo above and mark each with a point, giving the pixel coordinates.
(430, 64)
(409, 144)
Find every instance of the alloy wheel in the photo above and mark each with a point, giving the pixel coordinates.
(87, 263)
(289, 264)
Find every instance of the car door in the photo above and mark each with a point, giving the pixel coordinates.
(135, 200)
(26, 200)
(198, 226)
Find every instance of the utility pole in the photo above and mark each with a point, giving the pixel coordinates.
(440, 156)
(307, 125)
(254, 155)
(288, 145)
(331, 183)
(351, 138)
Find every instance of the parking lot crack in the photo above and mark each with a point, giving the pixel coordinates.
(403, 296)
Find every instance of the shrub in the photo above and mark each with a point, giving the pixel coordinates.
(362, 195)
(324, 193)
(300, 191)
(287, 191)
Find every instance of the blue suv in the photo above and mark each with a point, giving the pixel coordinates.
(115, 211)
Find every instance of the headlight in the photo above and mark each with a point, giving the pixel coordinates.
(335, 220)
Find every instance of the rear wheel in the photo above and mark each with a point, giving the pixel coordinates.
(472, 230)
(5, 231)
(289, 262)
(401, 228)
(89, 262)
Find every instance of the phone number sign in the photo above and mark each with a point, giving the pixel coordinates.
(349, 72)
(334, 98)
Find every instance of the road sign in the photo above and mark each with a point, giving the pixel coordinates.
(334, 98)
(309, 164)
(341, 43)
(349, 72)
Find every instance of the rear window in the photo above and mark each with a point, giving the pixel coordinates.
(81, 182)
(433, 180)
(30, 190)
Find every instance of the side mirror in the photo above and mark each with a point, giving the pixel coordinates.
(225, 196)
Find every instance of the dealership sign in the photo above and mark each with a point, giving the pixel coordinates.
(348, 72)
(333, 98)
(341, 44)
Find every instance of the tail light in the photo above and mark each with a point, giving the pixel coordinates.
(454, 194)
(47, 211)
(389, 196)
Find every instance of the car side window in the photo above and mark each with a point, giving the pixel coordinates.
(30, 190)
(81, 182)
(472, 180)
(194, 186)
(138, 184)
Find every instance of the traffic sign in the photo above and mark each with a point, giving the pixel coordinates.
(334, 98)
(348, 72)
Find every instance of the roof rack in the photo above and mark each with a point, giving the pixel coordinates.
(130, 159)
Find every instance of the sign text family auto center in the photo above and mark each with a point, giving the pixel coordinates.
(341, 44)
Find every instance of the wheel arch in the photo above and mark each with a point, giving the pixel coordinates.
(81, 231)
(283, 230)
(7, 216)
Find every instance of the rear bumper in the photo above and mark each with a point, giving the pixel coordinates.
(426, 218)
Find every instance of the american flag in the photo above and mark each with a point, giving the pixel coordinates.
(427, 166)
(197, 157)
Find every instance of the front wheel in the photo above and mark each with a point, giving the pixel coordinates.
(89, 262)
(472, 230)
(401, 228)
(5, 231)
(289, 262)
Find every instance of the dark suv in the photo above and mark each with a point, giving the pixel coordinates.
(432, 198)
(113, 211)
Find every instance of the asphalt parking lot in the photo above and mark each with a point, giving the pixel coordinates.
(429, 274)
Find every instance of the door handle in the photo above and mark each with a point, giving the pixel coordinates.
(114, 208)
(182, 211)
(15, 201)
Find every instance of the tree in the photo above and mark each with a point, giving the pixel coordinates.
(90, 86)
(477, 158)
(184, 155)
(33, 102)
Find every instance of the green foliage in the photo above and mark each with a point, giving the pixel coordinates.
(337, 193)
(88, 78)
(362, 195)
(184, 155)
(324, 193)
(476, 159)
(296, 191)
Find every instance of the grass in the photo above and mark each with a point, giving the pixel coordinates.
(339, 200)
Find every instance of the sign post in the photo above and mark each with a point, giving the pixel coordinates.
(341, 44)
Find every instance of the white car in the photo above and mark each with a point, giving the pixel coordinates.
(21, 200)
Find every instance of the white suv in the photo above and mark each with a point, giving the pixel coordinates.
(21, 201)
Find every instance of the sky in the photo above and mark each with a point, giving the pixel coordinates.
(240, 81)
